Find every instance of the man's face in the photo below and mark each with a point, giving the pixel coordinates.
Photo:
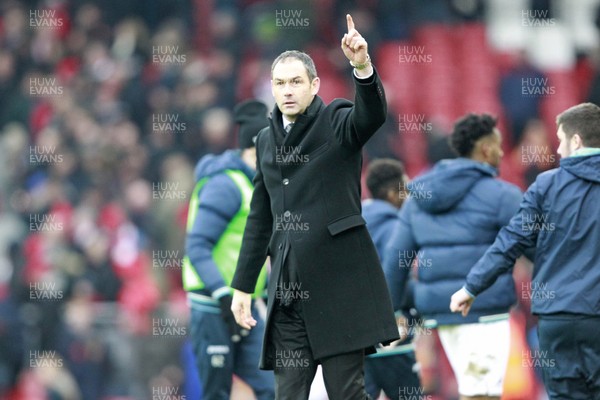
(491, 147)
(567, 145)
(292, 89)
(496, 153)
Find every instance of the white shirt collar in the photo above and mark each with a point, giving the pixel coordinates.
(286, 122)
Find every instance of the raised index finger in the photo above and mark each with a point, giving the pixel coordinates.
(349, 22)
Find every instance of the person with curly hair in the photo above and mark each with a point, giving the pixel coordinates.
(451, 217)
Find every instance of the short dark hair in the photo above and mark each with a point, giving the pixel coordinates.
(583, 119)
(468, 130)
(309, 64)
(384, 174)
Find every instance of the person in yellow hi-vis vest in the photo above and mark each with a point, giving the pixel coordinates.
(218, 210)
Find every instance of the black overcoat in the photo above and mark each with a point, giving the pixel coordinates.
(306, 210)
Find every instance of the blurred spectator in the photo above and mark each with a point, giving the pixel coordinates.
(514, 86)
(11, 344)
(533, 154)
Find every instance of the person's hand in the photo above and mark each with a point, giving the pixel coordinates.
(236, 332)
(403, 331)
(354, 45)
(461, 301)
(240, 307)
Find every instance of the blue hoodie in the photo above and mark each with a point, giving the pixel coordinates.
(452, 216)
(220, 200)
(381, 217)
(560, 215)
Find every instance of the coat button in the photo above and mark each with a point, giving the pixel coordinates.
(286, 181)
(280, 246)
(287, 214)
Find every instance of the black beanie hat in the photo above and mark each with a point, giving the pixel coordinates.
(251, 115)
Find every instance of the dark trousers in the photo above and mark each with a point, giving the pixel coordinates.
(393, 374)
(569, 356)
(217, 358)
(295, 366)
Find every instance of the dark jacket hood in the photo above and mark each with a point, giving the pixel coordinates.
(584, 167)
(447, 183)
(212, 164)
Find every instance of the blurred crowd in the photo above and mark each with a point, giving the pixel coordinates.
(105, 107)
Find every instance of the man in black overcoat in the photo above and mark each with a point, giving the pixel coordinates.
(328, 301)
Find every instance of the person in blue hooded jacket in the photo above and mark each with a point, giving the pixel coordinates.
(218, 211)
(560, 216)
(391, 369)
(452, 216)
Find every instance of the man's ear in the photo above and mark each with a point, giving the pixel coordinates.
(315, 85)
(576, 142)
(486, 148)
(390, 195)
(482, 147)
(395, 197)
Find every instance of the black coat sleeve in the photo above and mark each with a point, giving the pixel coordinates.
(256, 234)
(355, 124)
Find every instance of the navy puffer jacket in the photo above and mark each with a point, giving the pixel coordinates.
(560, 216)
(452, 216)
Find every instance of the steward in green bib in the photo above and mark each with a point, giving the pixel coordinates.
(218, 210)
